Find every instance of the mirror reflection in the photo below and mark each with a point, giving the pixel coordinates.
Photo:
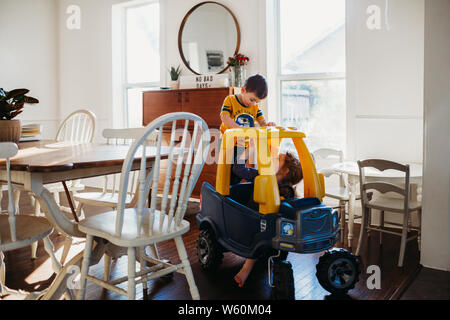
(208, 35)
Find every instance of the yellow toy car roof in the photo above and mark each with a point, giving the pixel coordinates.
(267, 139)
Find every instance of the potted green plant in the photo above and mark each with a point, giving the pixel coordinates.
(11, 105)
(174, 76)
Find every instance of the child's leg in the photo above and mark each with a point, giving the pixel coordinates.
(242, 275)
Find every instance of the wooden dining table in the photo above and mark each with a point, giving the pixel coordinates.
(43, 162)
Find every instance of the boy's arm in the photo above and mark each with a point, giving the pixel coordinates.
(262, 122)
(244, 172)
(228, 121)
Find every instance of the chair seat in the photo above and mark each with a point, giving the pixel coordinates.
(104, 226)
(101, 199)
(393, 204)
(58, 187)
(339, 193)
(29, 229)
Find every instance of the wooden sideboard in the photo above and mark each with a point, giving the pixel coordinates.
(206, 103)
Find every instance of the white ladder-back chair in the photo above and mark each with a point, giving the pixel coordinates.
(18, 231)
(79, 126)
(402, 205)
(341, 192)
(138, 227)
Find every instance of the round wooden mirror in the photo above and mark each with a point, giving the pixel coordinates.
(208, 35)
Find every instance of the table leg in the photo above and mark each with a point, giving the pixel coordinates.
(69, 199)
(1, 197)
(352, 181)
(415, 195)
(2, 274)
(53, 213)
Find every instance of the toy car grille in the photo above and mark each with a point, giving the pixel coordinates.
(317, 246)
(316, 221)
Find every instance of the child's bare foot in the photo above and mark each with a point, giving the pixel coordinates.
(242, 275)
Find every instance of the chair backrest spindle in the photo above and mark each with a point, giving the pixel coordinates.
(154, 195)
(176, 181)
(187, 171)
(79, 126)
(168, 177)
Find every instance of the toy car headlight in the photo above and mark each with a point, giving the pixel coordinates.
(335, 219)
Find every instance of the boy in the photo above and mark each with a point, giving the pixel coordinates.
(289, 173)
(242, 110)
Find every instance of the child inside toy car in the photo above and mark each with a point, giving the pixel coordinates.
(289, 174)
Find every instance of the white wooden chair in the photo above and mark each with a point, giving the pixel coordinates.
(341, 192)
(18, 231)
(138, 227)
(79, 126)
(402, 205)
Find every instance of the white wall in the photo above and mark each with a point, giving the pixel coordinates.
(85, 64)
(436, 182)
(29, 57)
(385, 81)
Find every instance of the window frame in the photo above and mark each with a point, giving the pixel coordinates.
(280, 77)
(121, 119)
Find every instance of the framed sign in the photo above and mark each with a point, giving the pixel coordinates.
(204, 81)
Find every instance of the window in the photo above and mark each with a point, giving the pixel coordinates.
(137, 61)
(311, 70)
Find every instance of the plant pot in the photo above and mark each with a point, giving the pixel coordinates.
(174, 84)
(10, 131)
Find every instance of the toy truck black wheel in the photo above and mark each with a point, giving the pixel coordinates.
(209, 251)
(283, 281)
(338, 271)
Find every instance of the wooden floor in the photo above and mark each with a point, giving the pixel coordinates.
(430, 284)
(23, 273)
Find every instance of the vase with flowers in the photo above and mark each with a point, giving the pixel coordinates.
(237, 65)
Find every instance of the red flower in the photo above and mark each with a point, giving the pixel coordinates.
(238, 60)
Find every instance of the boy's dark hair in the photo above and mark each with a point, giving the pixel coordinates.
(258, 85)
(295, 174)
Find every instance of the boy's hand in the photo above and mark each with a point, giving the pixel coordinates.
(271, 124)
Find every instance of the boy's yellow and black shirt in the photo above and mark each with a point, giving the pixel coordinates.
(244, 116)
